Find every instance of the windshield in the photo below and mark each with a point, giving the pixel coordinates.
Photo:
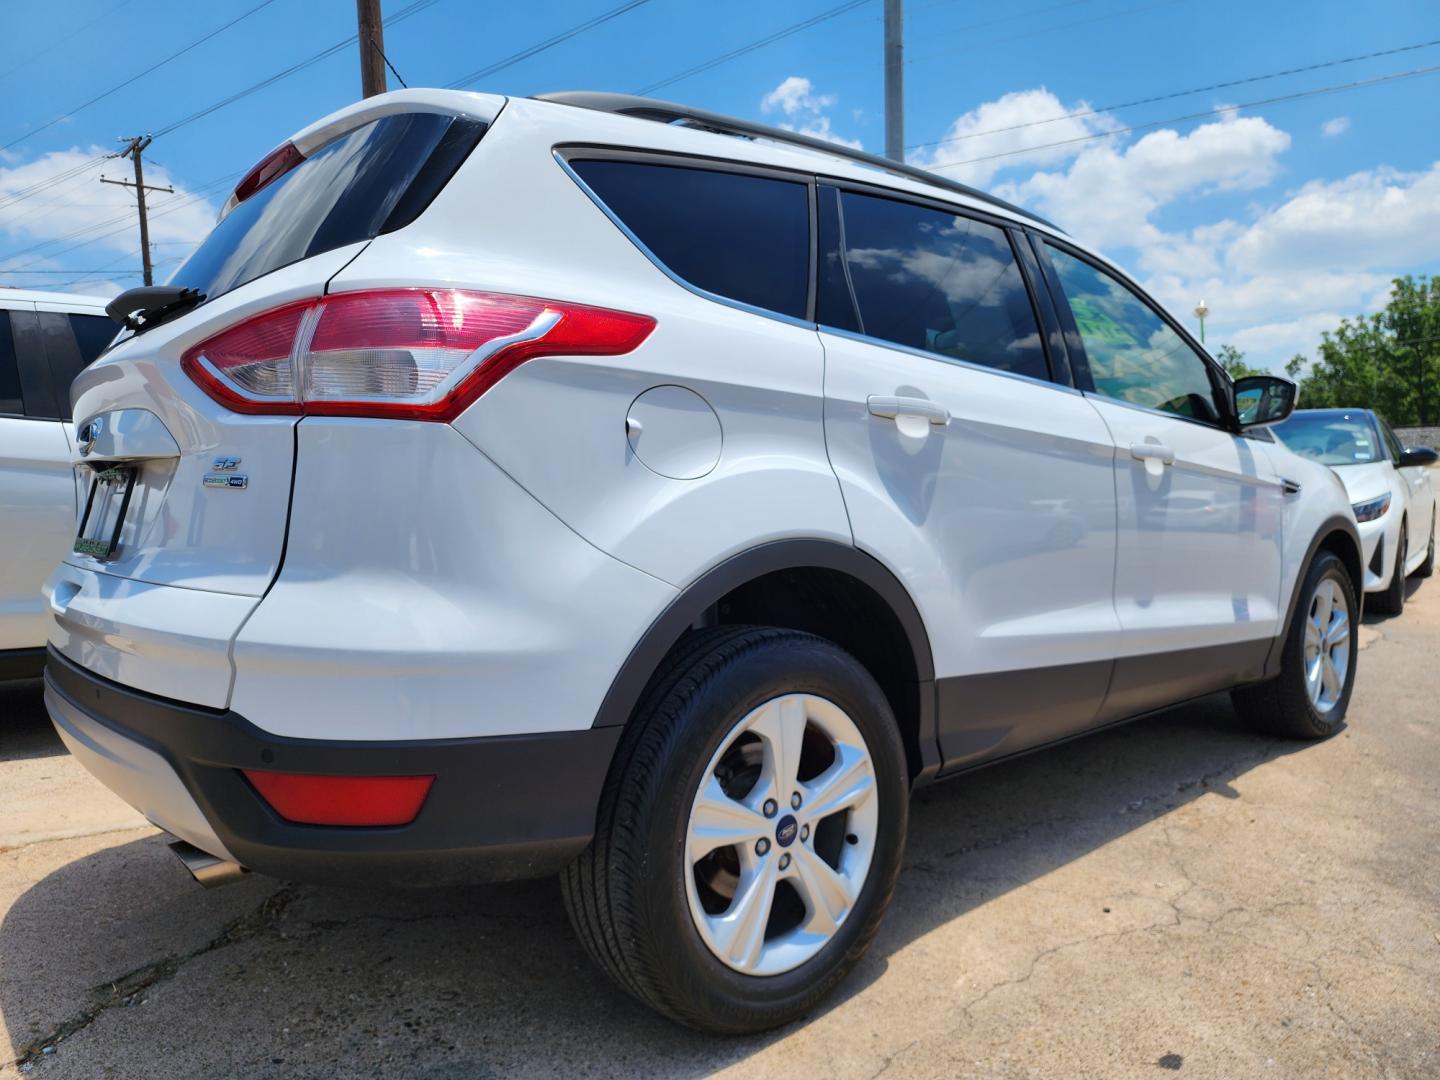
(372, 180)
(1331, 438)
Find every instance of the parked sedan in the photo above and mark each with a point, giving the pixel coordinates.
(46, 339)
(1390, 488)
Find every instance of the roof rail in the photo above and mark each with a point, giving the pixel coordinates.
(667, 112)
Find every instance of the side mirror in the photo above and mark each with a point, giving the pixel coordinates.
(1421, 455)
(1263, 399)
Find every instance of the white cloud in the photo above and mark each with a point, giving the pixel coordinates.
(796, 96)
(38, 225)
(1337, 126)
(805, 111)
(983, 141)
(1380, 219)
(1108, 194)
(1275, 275)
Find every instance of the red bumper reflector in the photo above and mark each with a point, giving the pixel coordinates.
(313, 799)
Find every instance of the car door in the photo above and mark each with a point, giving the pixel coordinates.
(985, 484)
(37, 493)
(1198, 567)
(1419, 498)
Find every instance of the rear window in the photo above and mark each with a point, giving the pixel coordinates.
(373, 180)
(739, 236)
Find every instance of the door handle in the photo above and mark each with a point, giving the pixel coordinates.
(1149, 451)
(892, 408)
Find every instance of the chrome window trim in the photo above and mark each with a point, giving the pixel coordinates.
(940, 358)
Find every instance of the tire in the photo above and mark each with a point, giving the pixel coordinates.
(1392, 600)
(1287, 705)
(1426, 568)
(641, 906)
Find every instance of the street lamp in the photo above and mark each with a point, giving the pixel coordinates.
(1201, 311)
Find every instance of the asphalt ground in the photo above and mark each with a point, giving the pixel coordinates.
(1177, 896)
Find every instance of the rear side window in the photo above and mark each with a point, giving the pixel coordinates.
(92, 334)
(372, 180)
(739, 236)
(11, 403)
(63, 356)
(936, 281)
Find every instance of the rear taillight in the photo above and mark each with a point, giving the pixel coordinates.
(314, 799)
(271, 167)
(415, 354)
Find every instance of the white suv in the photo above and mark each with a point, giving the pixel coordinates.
(46, 338)
(591, 485)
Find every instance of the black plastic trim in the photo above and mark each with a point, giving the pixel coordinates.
(1000, 715)
(502, 808)
(690, 606)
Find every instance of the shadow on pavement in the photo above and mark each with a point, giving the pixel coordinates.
(491, 980)
(25, 729)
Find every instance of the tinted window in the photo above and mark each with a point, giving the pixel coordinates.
(1133, 354)
(1331, 438)
(10, 400)
(743, 237)
(92, 334)
(344, 192)
(937, 281)
(62, 355)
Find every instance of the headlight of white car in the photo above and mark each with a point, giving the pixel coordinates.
(1369, 511)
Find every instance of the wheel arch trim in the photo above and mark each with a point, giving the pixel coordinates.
(645, 657)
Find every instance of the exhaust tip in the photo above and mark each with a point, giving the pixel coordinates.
(209, 870)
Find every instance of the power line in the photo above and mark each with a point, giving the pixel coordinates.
(548, 43)
(99, 270)
(1178, 94)
(169, 206)
(20, 194)
(404, 13)
(153, 67)
(758, 43)
(1360, 84)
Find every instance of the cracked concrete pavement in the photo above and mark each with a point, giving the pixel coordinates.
(1178, 895)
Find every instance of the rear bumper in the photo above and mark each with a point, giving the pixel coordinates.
(501, 808)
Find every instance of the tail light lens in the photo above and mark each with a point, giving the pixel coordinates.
(313, 799)
(415, 354)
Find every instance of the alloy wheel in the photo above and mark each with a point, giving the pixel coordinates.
(781, 834)
(1327, 645)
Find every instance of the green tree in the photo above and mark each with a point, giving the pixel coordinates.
(1233, 361)
(1388, 361)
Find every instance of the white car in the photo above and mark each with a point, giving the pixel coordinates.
(1390, 488)
(596, 486)
(45, 340)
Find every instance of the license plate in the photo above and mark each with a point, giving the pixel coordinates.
(100, 525)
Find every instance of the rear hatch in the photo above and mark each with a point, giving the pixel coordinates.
(179, 490)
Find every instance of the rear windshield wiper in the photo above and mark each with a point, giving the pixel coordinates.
(150, 305)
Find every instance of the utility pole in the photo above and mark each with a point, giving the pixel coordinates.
(133, 151)
(894, 80)
(372, 47)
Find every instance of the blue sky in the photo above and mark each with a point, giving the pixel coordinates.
(1283, 216)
